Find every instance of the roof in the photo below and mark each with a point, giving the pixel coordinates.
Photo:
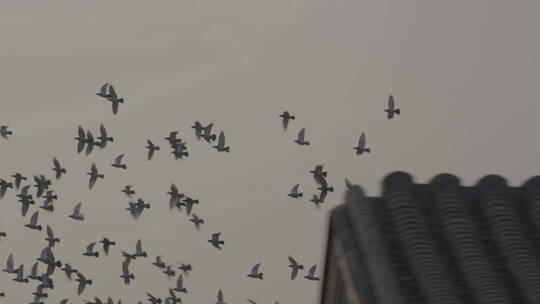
(441, 242)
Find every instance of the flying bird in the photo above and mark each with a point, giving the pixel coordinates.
(103, 91)
(185, 268)
(255, 272)
(169, 272)
(175, 196)
(361, 148)
(311, 274)
(139, 251)
(197, 221)
(33, 222)
(172, 298)
(18, 179)
(81, 139)
(295, 267)
(50, 237)
(151, 148)
(4, 185)
(9, 265)
(207, 133)
(152, 299)
(215, 241)
(57, 168)
(90, 142)
(294, 192)
(103, 137)
(301, 138)
(94, 175)
(90, 250)
(220, 147)
(114, 99)
(82, 283)
(69, 270)
(118, 162)
(392, 108)
(126, 275)
(77, 215)
(158, 263)
(198, 129)
(285, 119)
(20, 275)
(180, 284)
(318, 171)
(128, 191)
(107, 244)
(4, 132)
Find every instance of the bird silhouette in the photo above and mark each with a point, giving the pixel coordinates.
(361, 148)
(113, 98)
(103, 137)
(57, 168)
(151, 148)
(295, 267)
(118, 162)
(294, 192)
(255, 272)
(220, 147)
(391, 110)
(94, 175)
(301, 138)
(285, 119)
(215, 241)
(4, 132)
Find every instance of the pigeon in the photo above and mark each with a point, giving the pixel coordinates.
(90, 142)
(138, 250)
(188, 202)
(50, 237)
(318, 171)
(220, 147)
(172, 298)
(47, 257)
(311, 274)
(47, 206)
(33, 222)
(323, 184)
(81, 138)
(300, 140)
(107, 244)
(69, 270)
(128, 191)
(185, 268)
(180, 284)
(220, 297)
(176, 196)
(103, 91)
(49, 196)
(169, 272)
(9, 265)
(33, 273)
(285, 119)
(77, 215)
(114, 99)
(172, 138)
(90, 250)
(255, 272)
(197, 221)
(25, 200)
(18, 179)
(42, 184)
(4, 185)
(152, 299)
(64, 301)
(251, 301)
(126, 275)
(295, 267)
(198, 129)
(20, 275)
(215, 241)
(180, 150)
(392, 108)
(94, 175)
(360, 149)
(207, 133)
(118, 162)
(103, 137)
(294, 192)
(158, 263)
(129, 256)
(39, 293)
(82, 283)
(151, 148)
(4, 132)
(57, 168)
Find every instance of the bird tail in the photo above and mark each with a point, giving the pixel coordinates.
(213, 137)
(58, 263)
(110, 139)
(132, 276)
(121, 100)
(260, 276)
(89, 282)
(227, 149)
(367, 150)
(101, 176)
(300, 194)
(398, 111)
(292, 117)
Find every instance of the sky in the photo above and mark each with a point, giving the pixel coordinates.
(463, 73)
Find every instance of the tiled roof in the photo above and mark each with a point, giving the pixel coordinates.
(443, 242)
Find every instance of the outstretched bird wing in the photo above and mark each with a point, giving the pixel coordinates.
(221, 139)
(391, 103)
(301, 134)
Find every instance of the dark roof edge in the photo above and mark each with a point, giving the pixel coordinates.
(385, 287)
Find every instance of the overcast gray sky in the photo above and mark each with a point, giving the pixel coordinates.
(464, 73)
